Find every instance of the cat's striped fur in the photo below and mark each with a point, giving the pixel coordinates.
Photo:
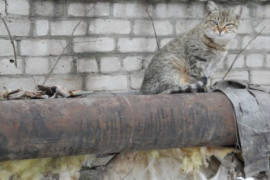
(186, 63)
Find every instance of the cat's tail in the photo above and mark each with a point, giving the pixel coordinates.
(198, 86)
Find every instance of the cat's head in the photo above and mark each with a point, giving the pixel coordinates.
(221, 25)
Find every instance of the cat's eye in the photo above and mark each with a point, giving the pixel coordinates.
(214, 22)
(230, 24)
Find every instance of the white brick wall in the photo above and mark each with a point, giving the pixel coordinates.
(65, 28)
(144, 27)
(136, 45)
(255, 60)
(268, 60)
(19, 27)
(81, 9)
(261, 42)
(131, 10)
(133, 63)
(64, 66)
(235, 43)
(260, 77)
(110, 26)
(7, 67)
(105, 44)
(136, 80)
(114, 43)
(42, 27)
(236, 75)
(260, 24)
(107, 82)
(16, 7)
(239, 63)
(171, 10)
(3, 8)
(36, 65)
(110, 64)
(5, 48)
(43, 8)
(13, 83)
(70, 82)
(263, 11)
(42, 47)
(246, 27)
(87, 65)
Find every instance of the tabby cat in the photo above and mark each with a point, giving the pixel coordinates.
(186, 63)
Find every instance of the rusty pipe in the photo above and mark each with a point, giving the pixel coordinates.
(108, 124)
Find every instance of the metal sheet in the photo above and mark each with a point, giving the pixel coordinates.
(251, 104)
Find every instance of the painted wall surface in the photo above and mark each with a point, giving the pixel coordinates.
(113, 41)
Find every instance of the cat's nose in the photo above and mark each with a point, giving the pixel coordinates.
(220, 29)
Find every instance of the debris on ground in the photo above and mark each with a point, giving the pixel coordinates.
(43, 92)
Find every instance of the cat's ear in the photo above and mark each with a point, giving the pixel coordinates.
(238, 11)
(211, 7)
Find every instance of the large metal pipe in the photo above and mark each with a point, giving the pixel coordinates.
(108, 124)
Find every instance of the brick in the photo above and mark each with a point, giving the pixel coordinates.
(97, 9)
(6, 48)
(109, 26)
(43, 8)
(183, 26)
(245, 27)
(42, 27)
(196, 10)
(64, 65)
(132, 63)
(260, 77)
(103, 82)
(7, 67)
(236, 9)
(261, 42)
(67, 81)
(165, 41)
(13, 83)
(144, 27)
(93, 44)
(18, 7)
(262, 23)
(131, 10)
(171, 10)
(136, 45)
(3, 8)
(239, 63)
(136, 80)
(235, 75)
(62, 28)
(17, 27)
(37, 65)
(245, 12)
(268, 60)
(255, 60)
(87, 65)
(110, 64)
(262, 11)
(42, 47)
